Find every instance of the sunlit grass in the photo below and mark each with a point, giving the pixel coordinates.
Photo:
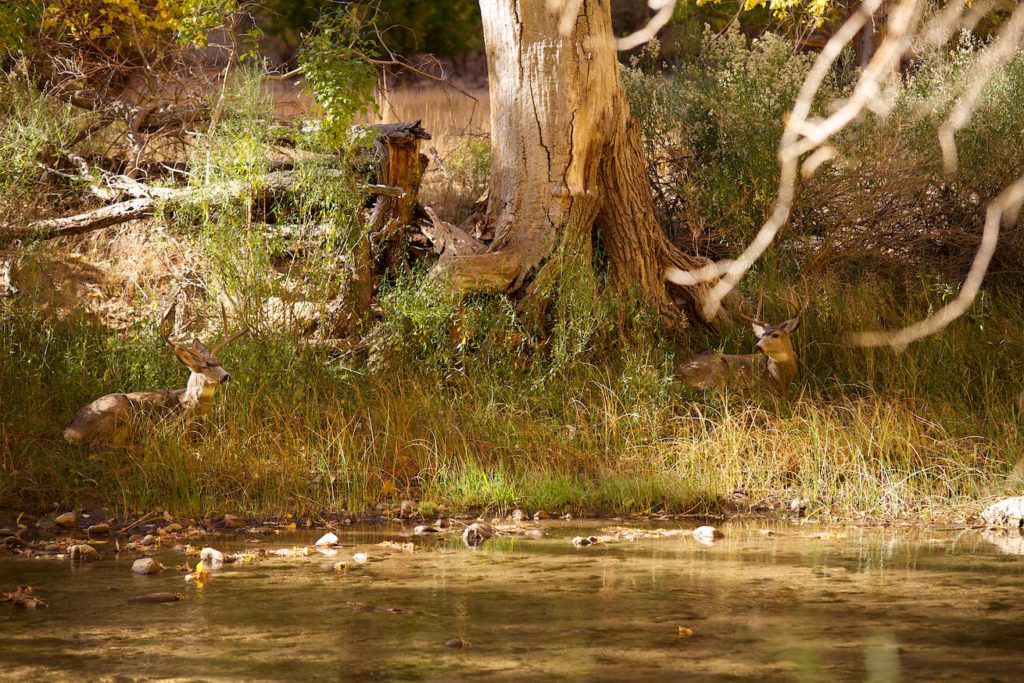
(931, 431)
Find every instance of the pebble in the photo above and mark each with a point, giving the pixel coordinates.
(707, 534)
(583, 541)
(146, 566)
(83, 552)
(101, 529)
(68, 520)
(211, 556)
(327, 539)
(476, 533)
(234, 522)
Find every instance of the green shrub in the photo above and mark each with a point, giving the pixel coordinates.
(711, 128)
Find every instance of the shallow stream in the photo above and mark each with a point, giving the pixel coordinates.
(799, 604)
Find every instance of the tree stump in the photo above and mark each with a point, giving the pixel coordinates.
(381, 247)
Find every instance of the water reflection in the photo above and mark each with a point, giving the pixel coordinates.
(802, 604)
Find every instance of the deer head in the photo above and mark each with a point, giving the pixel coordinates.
(774, 340)
(203, 362)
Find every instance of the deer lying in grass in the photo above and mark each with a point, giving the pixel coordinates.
(108, 419)
(774, 367)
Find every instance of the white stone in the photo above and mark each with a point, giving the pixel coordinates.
(327, 539)
(1008, 512)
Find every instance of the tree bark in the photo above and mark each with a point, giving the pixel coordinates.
(567, 168)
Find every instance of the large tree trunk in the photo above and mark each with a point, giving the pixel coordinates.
(566, 163)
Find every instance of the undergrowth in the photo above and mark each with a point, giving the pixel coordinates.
(465, 403)
(460, 417)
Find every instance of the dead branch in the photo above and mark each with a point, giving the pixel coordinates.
(144, 200)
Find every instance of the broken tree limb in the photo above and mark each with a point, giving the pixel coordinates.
(145, 197)
(97, 219)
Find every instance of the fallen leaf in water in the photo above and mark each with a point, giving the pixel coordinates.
(23, 597)
(685, 632)
(199, 575)
(404, 547)
(457, 643)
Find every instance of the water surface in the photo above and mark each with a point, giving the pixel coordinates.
(804, 604)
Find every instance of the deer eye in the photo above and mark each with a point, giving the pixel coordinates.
(775, 335)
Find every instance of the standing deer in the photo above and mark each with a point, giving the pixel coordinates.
(107, 419)
(774, 367)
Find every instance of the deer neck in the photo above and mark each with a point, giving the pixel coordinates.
(782, 368)
(198, 395)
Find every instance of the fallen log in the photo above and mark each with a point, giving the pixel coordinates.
(97, 219)
(144, 200)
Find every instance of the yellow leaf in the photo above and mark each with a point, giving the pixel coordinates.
(685, 632)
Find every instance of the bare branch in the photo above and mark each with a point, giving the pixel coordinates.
(984, 69)
(1007, 204)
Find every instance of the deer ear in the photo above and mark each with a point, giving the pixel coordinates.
(187, 357)
(789, 326)
(760, 329)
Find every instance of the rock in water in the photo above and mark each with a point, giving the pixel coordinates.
(234, 522)
(101, 529)
(476, 533)
(327, 539)
(83, 553)
(154, 598)
(146, 566)
(1008, 512)
(212, 557)
(707, 534)
(583, 541)
(68, 520)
